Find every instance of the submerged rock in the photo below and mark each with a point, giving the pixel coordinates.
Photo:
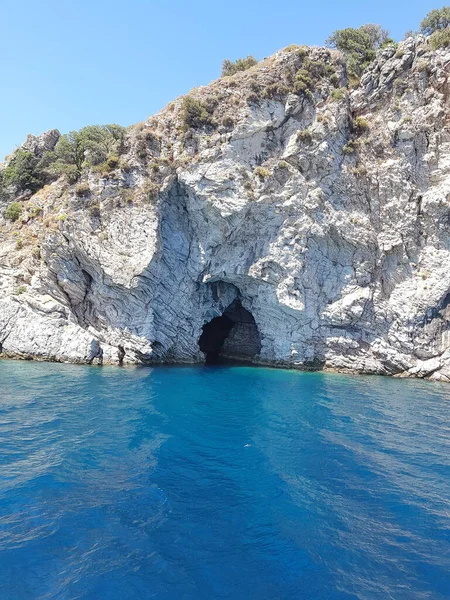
(325, 215)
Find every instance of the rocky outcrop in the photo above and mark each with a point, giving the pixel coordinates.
(39, 144)
(324, 213)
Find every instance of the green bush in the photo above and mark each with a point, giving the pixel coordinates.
(359, 45)
(302, 51)
(318, 68)
(241, 64)
(303, 82)
(262, 173)
(275, 90)
(338, 94)
(335, 80)
(360, 124)
(70, 172)
(13, 211)
(195, 114)
(23, 172)
(436, 20)
(440, 39)
(112, 162)
(89, 146)
(349, 148)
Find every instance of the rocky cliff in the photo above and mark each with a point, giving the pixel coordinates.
(300, 225)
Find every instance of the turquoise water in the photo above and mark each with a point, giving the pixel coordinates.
(221, 482)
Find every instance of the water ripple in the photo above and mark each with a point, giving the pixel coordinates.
(201, 483)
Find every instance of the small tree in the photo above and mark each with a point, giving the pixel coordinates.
(359, 45)
(241, 64)
(440, 38)
(195, 113)
(436, 20)
(70, 150)
(23, 173)
(89, 146)
(378, 36)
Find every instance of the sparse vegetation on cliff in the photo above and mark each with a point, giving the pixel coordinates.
(13, 211)
(90, 146)
(196, 114)
(230, 67)
(359, 46)
(437, 25)
(24, 172)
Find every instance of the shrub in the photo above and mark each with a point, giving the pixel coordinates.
(70, 172)
(35, 211)
(303, 135)
(317, 68)
(422, 66)
(112, 162)
(436, 20)
(360, 124)
(262, 173)
(358, 45)
(338, 94)
(94, 210)
(302, 51)
(275, 90)
(358, 171)
(291, 48)
(195, 114)
(87, 147)
(23, 172)
(228, 122)
(283, 164)
(82, 190)
(303, 81)
(151, 190)
(334, 78)
(13, 211)
(21, 289)
(440, 39)
(241, 64)
(349, 148)
(353, 81)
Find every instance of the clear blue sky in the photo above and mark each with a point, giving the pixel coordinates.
(70, 63)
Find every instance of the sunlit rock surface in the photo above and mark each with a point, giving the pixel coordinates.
(334, 236)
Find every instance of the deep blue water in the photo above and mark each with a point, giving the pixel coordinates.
(221, 482)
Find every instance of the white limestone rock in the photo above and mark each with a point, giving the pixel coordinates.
(341, 257)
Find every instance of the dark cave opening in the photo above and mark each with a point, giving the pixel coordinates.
(232, 337)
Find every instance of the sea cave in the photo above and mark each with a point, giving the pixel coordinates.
(232, 337)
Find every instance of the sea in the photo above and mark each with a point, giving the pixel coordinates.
(221, 482)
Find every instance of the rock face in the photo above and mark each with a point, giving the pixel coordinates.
(325, 215)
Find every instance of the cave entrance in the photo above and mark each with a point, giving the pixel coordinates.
(232, 337)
